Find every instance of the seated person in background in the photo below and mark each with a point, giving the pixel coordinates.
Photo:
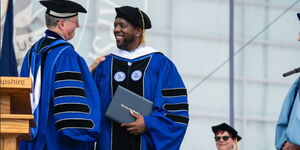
(226, 137)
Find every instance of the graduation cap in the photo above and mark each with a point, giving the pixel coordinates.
(226, 127)
(62, 8)
(134, 15)
(298, 14)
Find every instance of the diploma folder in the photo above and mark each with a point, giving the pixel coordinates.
(125, 100)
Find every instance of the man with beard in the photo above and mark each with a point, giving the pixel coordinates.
(147, 72)
(288, 125)
(64, 99)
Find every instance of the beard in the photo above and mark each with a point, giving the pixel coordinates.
(126, 42)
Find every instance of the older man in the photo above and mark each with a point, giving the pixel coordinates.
(149, 73)
(65, 102)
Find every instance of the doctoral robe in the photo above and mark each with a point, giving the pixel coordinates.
(152, 75)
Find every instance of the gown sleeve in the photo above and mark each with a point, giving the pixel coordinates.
(76, 103)
(167, 124)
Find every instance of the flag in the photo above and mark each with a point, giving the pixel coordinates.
(8, 62)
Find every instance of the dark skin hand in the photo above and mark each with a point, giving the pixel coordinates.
(137, 127)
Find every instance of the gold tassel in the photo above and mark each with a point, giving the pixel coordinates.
(143, 28)
(143, 38)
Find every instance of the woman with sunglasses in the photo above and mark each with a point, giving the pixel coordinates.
(226, 137)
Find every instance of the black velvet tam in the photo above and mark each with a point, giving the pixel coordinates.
(62, 8)
(226, 127)
(134, 15)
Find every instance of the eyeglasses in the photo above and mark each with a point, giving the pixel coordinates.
(225, 138)
(76, 21)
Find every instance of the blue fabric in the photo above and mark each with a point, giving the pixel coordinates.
(288, 124)
(162, 132)
(8, 63)
(52, 116)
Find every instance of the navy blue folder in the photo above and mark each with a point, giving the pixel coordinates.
(125, 100)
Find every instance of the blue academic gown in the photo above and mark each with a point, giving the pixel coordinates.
(288, 124)
(65, 102)
(153, 76)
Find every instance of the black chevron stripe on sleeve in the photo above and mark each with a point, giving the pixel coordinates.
(178, 119)
(69, 91)
(177, 107)
(71, 108)
(74, 123)
(174, 92)
(68, 75)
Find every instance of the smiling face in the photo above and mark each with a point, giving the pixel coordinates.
(70, 25)
(224, 143)
(127, 36)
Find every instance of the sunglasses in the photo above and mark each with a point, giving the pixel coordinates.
(225, 138)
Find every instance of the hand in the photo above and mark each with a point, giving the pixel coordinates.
(137, 127)
(290, 146)
(98, 60)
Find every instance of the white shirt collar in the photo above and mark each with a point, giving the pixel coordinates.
(138, 52)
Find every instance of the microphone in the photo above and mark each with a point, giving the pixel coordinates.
(291, 72)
